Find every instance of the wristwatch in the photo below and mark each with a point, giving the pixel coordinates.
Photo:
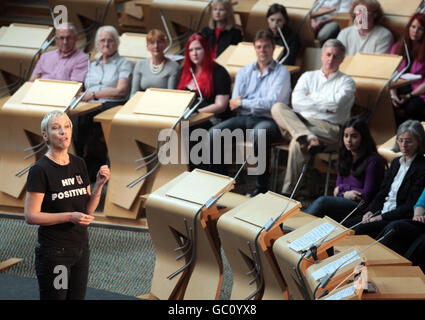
(93, 94)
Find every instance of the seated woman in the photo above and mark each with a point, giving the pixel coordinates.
(156, 71)
(402, 185)
(360, 173)
(325, 27)
(221, 31)
(406, 233)
(410, 99)
(108, 78)
(366, 34)
(276, 14)
(213, 79)
(107, 82)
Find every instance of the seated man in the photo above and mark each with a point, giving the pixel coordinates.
(257, 87)
(66, 62)
(321, 102)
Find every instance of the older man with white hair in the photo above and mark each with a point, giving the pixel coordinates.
(66, 62)
(321, 103)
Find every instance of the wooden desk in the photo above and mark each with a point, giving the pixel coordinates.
(20, 129)
(376, 255)
(19, 46)
(371, 73)
(396, 283)
(131, 136)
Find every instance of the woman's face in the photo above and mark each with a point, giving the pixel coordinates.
(364, 17)
(352, 139)
(276, 18)
(416, 31)
(196, 52)
(59, 133)
(108, 46)
(156, 48)
(408, 144)
(219, 13)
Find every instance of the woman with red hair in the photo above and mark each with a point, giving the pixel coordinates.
(213, 80)
(410, 99)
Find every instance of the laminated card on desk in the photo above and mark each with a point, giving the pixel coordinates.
(25, 36)
(260, 209)
(133, 45)
(368, 65)
(53, 93)
(199, 186)
(164, 102)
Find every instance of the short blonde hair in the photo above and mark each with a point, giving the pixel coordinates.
(50, 115)
(112, 31)
(230, 18)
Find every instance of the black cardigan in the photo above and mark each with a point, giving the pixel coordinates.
(293, 41)
(226, 38)
(408, 194)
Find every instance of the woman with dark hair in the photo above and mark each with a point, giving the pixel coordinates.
(360, 172)
(221, 31)
(213, 80)
(277, 17)
(402, 185)
(411, 98)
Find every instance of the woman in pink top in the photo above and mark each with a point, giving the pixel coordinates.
(409, 101)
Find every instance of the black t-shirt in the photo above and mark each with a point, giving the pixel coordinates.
(65, 190)
(221, 83)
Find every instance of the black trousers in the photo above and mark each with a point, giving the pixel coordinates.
(416, 252)
(414, 109)
(372, 229)
(62, 273)
(405, 232)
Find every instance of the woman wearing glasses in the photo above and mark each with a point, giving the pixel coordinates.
(402, 185)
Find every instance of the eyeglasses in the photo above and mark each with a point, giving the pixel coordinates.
(106, 40)
(406, 141)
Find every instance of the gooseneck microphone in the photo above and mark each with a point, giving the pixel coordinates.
(267, 227)
(193, 242)
(154, 156)
(324, 282)
(285, 44)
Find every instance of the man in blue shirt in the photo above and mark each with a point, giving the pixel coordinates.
(257, 87)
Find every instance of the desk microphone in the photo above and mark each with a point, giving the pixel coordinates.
(154, 155)
(267, 227)
(328, 277)
(312, 251)
(287, 50)
(189, 111)
(397, 74)
(210, 202)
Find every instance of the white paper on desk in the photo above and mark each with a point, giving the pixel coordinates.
(343, 293)
(331, 267)
(312, 237)
(411, 76)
